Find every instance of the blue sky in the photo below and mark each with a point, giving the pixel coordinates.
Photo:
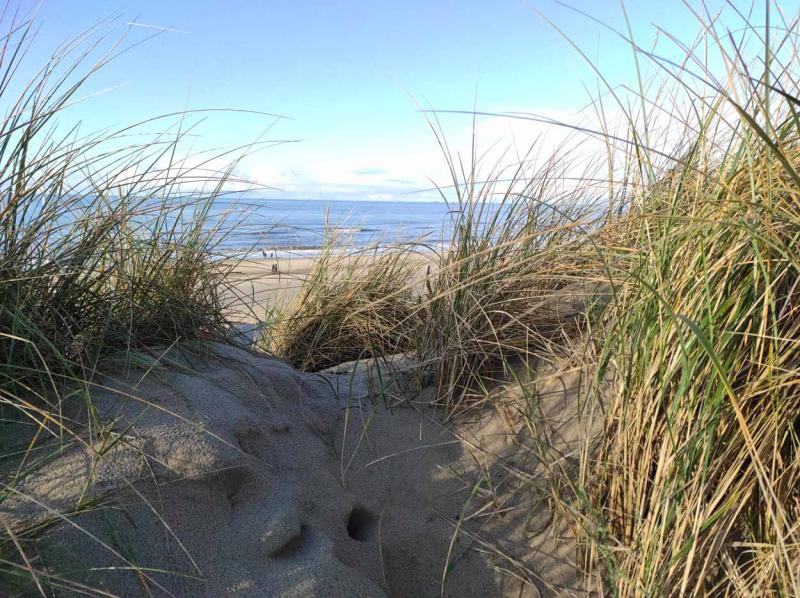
(348, 74)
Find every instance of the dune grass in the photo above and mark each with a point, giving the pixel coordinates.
(696, 477)
(501, 289)
(679, 273)
(697, 472)
(107, 246)
(692, 487)
(352, 305)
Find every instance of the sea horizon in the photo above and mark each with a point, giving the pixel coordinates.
(301, 228)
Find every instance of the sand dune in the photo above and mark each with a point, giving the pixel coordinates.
(235, 475)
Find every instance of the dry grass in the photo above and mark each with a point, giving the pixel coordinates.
(106, 247)
(351, 306)
(696, 479)
(509, 282)
(693, 487)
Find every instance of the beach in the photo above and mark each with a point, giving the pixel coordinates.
(563, 366)
(263, 283)
(259, 286)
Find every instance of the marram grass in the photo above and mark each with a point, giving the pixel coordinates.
(698, 471)
(693, 486)
(352, 305)
(691, 268)
(106, 247)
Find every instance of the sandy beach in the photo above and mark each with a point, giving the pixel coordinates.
(262, 283)
(259, 286)
(530, 335)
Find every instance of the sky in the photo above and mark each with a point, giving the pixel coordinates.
(352, 78)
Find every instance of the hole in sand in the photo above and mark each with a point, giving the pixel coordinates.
(360, 524)
(292, 547)
(234, 480)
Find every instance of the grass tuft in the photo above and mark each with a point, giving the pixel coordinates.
(107, 246)
(508, 283)
(355, 305)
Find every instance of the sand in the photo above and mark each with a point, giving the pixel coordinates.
(231, 474)
(258, 288)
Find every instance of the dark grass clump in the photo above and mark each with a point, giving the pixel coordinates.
(78, 283)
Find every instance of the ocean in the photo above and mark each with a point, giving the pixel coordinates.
(299, 227)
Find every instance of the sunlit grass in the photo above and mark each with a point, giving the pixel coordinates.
(352, 305)
(692, 486)
(500, 289)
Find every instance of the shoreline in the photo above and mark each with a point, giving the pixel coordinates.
(257, 254)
